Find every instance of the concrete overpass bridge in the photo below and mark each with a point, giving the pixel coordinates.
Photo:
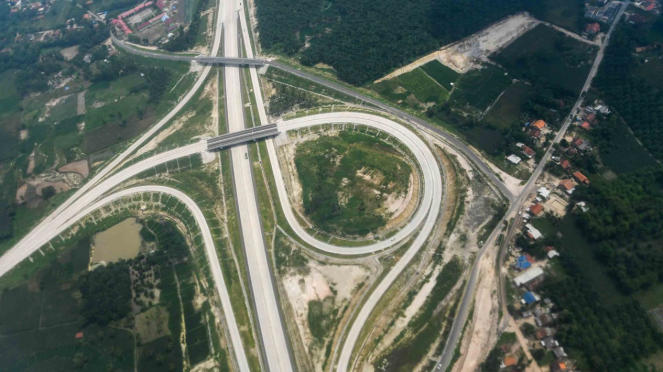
(207, 60)
(243, 136)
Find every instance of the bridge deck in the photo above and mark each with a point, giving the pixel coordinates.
(230, 61)
(243, 136)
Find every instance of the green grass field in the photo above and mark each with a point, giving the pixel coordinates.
(548, 57)
(423, 87)
(56, 16)
(509, 107)
(441, 73)
(477, 89)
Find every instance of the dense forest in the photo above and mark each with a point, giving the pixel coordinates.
(607, 339)
(106, 293)
(364, 40)
(624, 223)
(638, 102)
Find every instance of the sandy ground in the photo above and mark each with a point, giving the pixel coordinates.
(322, 281)
(69, 53)
(401, 208)
(80, 104)
(23, 134)
(50, 104)
(481, 334)
(81, 167)
(467, 54)
(154, 142)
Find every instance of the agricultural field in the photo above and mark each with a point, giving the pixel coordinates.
(347, 179)
(547, 57)
(478, 89)
(424, 88)
(62, 299)
(429, 84)
(510, 106)
(623, 153)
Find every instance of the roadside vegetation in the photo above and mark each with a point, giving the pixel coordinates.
(365, 40)
(345, 180)
(416, 339)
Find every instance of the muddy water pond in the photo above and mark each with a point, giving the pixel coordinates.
(121, 241)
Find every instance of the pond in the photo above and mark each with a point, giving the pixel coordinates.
(121, 241)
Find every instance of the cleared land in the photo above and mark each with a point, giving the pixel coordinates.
(478, 89)
(510, 106)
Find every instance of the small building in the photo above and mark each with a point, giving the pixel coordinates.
(530, 298)
(535, 133)
(535, 209)
(509, 361)
(565, 164)
(522, 263)
(585, 126)
(528, 276)
(593, 28)
(514, 159)
(79, 335)
(580, 144)
(559, 353)
(648, 5)
(542, 333)
(558, 366)
(583, 206)
(520, 145)
(591, 118)
(549, 342)
(552, 254)
(528, 151)
(581, 178)
(526, 314)
(538, 124)
(533, 233)
(544, 193)
(567, 185)
(543, 320)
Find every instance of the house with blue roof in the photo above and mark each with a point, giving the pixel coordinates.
(522, 263)
(530, 298)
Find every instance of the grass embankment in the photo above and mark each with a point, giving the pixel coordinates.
(415, 341)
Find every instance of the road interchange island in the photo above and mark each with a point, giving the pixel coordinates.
(463, 209)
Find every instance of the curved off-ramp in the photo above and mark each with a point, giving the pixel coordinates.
(428, 209)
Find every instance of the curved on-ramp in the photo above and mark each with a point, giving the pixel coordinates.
(432, 196)
(210, 249)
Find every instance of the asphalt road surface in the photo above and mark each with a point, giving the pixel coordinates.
(459, 321)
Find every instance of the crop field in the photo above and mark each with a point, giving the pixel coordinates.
(108, 91)
(117, 131)
(548, 57)
(478, 89)
(509, 106)
(441, 73)
(345, 180)
(423, 87)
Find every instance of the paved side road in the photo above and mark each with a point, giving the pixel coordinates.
(471, 155)
(459, 321)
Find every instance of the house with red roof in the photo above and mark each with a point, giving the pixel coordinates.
(565, 164)
(581, 178)
(567, 185)
(593, 28)
(585, 126)
(528, 151)
(535, 209)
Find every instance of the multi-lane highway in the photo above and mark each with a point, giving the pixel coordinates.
(270, 323)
